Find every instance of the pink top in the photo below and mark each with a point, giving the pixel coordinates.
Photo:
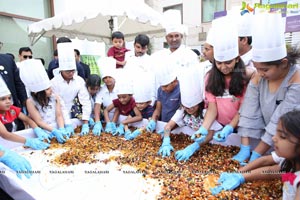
(227, 105)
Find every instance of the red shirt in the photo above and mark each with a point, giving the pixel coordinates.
(10, 115)
(118, 54)
(125, 109)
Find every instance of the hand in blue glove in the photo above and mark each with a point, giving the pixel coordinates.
(161, 132)
(36, 143)
(228, 181)
(166, 147)
(200, 135)
(185, 154)
(59, 135)
(151, 126)
(120, 130)
(110, 127)
(84, 129)
(70, 130)
(97, 128)
(133, 135)
(91, 122)
(15, 162)
(127, 133)
(222, 135)
(64, 133)
(41, 134)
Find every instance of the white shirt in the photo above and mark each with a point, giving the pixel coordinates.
(247, 58)
(68, 91)
(105, 97)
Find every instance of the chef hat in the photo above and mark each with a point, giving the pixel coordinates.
(34, 76)
(268, 42)
(66, 56)
(191, 87)
(167, 72)
(172, 22)
(245, 25)
(143, 87)
(108, 67)
(4, 91)
(124, 82)
(225, 39)
(209, 37)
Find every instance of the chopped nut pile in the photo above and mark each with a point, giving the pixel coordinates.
(179, 180)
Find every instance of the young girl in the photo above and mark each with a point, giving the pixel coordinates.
(123, 105)
(44, 107)
(273, 91)
(93, 84)
(8, 113)
(285, 160)
(225, 84)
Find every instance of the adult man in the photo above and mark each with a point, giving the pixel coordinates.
(24, 53)
(53, 65)
(86, 68)
(10, 74)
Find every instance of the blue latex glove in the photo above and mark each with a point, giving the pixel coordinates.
(36, 143)
(161, 132)
(70, 130)
(151, 126)
(120, 130)
(127, 133)
(110, 127)
(166, 147)
(202, 132)
(228, 181)
(222, 135)
(41, 134)
(59, 135)
(91, 122)
(84, 129)
(243, 154)
(15, 162)
(64, 133)
(133, 135)
(185, 154)
(97, 128)
(254, 156)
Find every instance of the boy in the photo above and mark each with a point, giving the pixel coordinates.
(117, 51)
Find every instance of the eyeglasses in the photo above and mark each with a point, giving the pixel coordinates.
(25, 57)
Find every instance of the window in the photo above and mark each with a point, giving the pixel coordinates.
(209, 7)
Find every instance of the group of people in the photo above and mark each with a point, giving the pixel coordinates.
(249, 85)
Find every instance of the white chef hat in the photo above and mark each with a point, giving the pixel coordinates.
(124, 82)
(209, 37)
(268, 42)
(225, 39)
(34, 76)
(167, 72)
(66, 56)
(191, 86)
(245, 25)
(108, 67)
(4, 91)
(172, 22)
(143, 87)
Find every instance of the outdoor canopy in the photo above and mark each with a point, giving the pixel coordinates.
(91, 22)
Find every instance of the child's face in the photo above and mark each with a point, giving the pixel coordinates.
(109, 81)
(124, 98)
(226, 67)
(192, 110)
(170, 87)
(68, 74)
(48, 92)
(270, 72)
(143, 105)
(285, 143)
(208, 52)
(5, 103)
(118, 42)
(93, 90)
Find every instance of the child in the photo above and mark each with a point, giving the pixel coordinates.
(45, 108)
(225, 84)
(8, 113)
(273, 91)
(117, 51)
(286, 158)
(124, 105)
(93, 84)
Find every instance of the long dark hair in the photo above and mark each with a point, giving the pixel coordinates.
(200, 110)
(41, 98)
(291, 125)
(293, 55)
(216, 80)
